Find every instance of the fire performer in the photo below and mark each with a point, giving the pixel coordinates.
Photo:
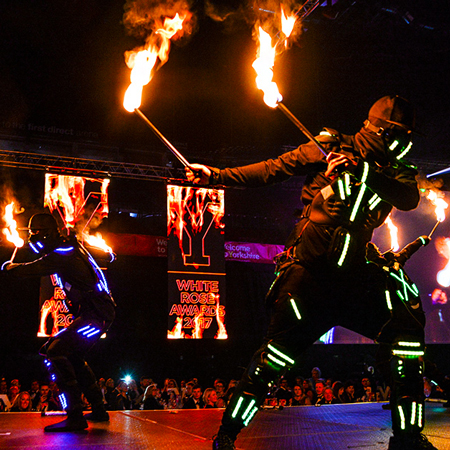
(324, 279)
(93, 308)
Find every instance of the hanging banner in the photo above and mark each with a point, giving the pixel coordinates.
(196, 263)
(82, 204)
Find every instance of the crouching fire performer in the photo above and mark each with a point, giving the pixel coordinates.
(93, 308)
(323, 278)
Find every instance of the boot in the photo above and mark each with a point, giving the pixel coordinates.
(97, 415)
(74, 422)
(222, 441)
(410, 442)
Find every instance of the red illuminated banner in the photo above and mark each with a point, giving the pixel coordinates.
(53, 311)
(196, 265)
(82, 203)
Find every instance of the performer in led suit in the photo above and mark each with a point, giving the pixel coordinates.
(93, 309)
(324, 279)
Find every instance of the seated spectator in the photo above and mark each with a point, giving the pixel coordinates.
(210, 398)
(22, 403)
(338, 391)
(187, 394)
(299, 398)
(13, 392)
(134, 394)
(46, 401)
(230, 389)
(308, 390)
(151, 398)
(320, 389)
(327, 398)
(3, 387)
(34, 393)
(196, 401)
(170, 390)
(219, 386)
(283, 394)
(360, 391)
(123, 400)
(315, 375)
(110, 395)
(349, 392)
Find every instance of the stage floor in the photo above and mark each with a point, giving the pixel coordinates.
(336, 427)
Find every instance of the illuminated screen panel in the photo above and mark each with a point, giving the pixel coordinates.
(196, 263)
(82, 203)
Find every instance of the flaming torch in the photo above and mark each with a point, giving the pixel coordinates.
(10, 230)
(142, 64)
(440, 204)
(393, 231)
(263, 66)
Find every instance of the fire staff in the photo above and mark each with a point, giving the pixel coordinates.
(91, 303)
(323, 278)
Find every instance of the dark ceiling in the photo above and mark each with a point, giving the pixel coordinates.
(63, 67)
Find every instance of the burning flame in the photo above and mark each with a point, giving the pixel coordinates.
(263, 66)
(443, 247)
(177, 331)
(97, 241)
(265, 59)
(287, 23)
(197, 332)
(393, 230)
(143, 61)
(10, 230)
(438, 201)
(221, 332)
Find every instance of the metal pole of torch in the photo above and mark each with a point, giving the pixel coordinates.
(434, 228)
(302, 128)
(181, 158)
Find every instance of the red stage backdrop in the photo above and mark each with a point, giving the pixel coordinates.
(196, 263)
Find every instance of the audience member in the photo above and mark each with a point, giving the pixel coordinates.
(13, 392)
(22, 403)
(210, 398)
(46, 401)
(3, 387)
(283, 393)
(338, 391)
(327, 398)
(123, 400)
(299, 397)
(315, 375)
(187, 394)
(34, 393)
(151, 398)
(349, 392)
(308, 389)
(196, 401)
(319, 391)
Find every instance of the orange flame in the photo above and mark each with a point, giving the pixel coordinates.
(265, 59)
(393, 230)
(97, 241)
(197, 332)
(10, 230)
(177, 331)
(443, 248)
(437, 199)
(221, 332)
(263, 66)
(143, 61)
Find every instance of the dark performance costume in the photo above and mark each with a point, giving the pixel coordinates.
(324, 278)
(93, 309)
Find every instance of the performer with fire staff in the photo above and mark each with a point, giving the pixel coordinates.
(93, 308)
(324, 279)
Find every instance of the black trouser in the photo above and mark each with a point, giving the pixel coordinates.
(306, 306)
(66, 353)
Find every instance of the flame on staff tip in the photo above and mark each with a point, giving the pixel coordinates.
(441, 205)
(393, 231)
(263, 66)
(97, 241)
(143, 61)
(177, 331)
(10, 230)
(443, 248)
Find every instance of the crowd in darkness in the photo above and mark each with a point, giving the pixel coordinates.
(190, 394)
